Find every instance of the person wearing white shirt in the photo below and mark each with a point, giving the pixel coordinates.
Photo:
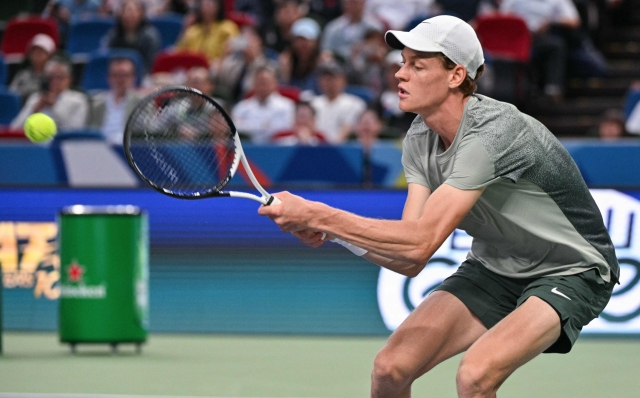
(336, 111)
(266, 111)
(632, 124)
(68, 108)
(110, 109)
(540, 16)
(343, 32)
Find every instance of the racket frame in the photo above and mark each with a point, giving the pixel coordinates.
(239, 155)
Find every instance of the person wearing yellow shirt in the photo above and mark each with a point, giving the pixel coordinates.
(209, 35)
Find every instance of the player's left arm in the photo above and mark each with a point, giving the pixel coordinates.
(408, 241)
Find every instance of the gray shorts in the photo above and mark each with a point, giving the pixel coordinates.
(578, 299)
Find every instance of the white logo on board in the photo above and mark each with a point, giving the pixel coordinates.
(399, 295)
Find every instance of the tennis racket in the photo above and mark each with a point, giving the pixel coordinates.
(183, 144)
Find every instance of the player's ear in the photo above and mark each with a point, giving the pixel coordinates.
(457, 76)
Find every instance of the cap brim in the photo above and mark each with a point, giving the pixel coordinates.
(398, 40)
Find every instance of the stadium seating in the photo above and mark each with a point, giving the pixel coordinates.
(508, 54)
(19, 32)
(514, 46)
(173, 62)
(94, 75)
(10, 105)
(169, 26)
(86, 36)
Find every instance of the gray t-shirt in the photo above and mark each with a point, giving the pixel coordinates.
(536, 216)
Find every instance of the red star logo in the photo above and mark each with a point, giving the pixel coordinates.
(75, 271)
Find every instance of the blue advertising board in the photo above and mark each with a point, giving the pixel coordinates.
(216, 266)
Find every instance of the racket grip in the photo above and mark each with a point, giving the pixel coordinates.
(274, 201)
(358, 251)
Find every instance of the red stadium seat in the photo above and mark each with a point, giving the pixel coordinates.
(19, 32)
(506, 41)
(7, 133)
(171, 62)
(505, 37)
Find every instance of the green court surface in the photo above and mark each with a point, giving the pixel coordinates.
(36, 364)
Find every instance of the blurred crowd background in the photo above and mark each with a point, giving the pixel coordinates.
(311, 72)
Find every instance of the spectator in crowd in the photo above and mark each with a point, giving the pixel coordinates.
(396, 119)
(367, 63)
(299, 62)
(133, 31)
(266, 112)
(303, 131)
(343, 32)
(632, 110)
(68, 108)
(67, 11)
(236, 70)
(337, 112)
(397, 14)
(368, 129)
(110, 109)
(151, 7)
(28, 79)
(555, 25)
(277, 33)
(632, 124)
(211, 31)
(611, 126)
(199, 78)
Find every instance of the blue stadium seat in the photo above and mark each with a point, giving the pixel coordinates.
(94, 75)
(86, 36)
(363, 92)
(3, 71)
(169, 26)
(10, 105)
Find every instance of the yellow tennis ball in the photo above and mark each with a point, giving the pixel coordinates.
(39, 127)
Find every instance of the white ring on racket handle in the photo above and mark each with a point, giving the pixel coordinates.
(358, 251)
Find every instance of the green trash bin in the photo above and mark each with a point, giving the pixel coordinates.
(104, 260)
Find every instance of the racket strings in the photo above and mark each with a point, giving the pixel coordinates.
(182, 143)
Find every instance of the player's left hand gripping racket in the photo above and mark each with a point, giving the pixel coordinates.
(183, 144)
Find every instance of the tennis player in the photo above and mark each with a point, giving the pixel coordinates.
(541, 265)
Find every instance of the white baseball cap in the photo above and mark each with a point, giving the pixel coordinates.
(442, 34)
(43, 41)
(307, 28)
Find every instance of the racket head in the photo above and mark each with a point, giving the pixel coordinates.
(182, 143)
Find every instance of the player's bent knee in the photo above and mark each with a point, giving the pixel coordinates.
(476, 379)
(387, 371)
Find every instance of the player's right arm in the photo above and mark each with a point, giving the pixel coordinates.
(417, 196)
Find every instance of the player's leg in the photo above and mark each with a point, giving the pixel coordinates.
(551, 313)
(439, 328)
(526, 332)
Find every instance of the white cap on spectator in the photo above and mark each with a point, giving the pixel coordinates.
(442, 34)
(394, 57)
(307, 28)
(43, 41)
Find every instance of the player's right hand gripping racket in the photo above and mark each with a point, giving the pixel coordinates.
(183, 144)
